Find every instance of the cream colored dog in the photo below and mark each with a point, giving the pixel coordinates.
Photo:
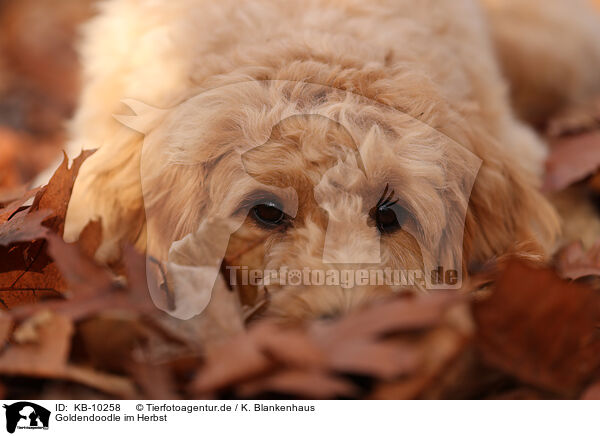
(306, 127)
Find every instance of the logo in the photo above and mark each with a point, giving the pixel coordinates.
(26, 415)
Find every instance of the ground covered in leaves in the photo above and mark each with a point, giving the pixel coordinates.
(71, 328)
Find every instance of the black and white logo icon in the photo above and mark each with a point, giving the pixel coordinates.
(26, 415)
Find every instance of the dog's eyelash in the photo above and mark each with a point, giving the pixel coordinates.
(256, 198)
(386, 199)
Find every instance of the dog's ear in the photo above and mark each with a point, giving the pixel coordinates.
(109, 184)
(507, 212)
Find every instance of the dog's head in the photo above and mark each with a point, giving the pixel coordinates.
(322, 200)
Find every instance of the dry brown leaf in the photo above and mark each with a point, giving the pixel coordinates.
(520, 393)
(6, 327)
(354, 344)
(446, 367)
(571, 160)
(28, 331)
(234, 361)
(44, 357)
(313, 385)
(27, 272)
(24, 227)
(408, 313)
(125, 333)
(15, 204)
(155, 381)
(573, 262)
(287, 346)
(93, 288)
(384, 361)
(27, 275)
(592, 392)
(270, 357)
(57, 194)
(540, 329)
(117, 386)
(83, 275)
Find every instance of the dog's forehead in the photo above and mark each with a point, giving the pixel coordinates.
(305, 151)
(257, 106)
(280, 126)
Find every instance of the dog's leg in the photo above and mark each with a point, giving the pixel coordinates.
(550, 52)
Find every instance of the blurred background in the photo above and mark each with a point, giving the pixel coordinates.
(38, 83)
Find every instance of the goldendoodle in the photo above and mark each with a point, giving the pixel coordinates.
(390, 140)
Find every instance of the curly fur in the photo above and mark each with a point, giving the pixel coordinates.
(433, 60)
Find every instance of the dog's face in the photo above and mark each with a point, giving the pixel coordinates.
(382, 203)
(321, 201)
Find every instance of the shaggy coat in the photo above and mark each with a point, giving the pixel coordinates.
(272, 99)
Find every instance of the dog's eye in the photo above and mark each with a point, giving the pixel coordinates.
(390, 218)
(268, 214)
(388, 215)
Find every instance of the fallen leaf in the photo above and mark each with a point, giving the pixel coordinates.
(83, 275)
(24, 227)
(407, 313)
(287, 346)
(28, 274)
(236, 360)
(117, 386)
(46, 356)
(28, 331)
(57, 194)
(540, 329)
(6, 327)
(574, 262)
(383, 361)
(126, 332)
(521, 393)
(446, 369)
(14, 205)
(156, 381)
(592, 392)
(92, 288)
(354, 344)
(367, 343)
(571, 160)
(313, 385)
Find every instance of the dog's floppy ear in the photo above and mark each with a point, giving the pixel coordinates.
(109, 185)
(507, 212)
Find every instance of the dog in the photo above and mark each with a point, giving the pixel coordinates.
(326, 138)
